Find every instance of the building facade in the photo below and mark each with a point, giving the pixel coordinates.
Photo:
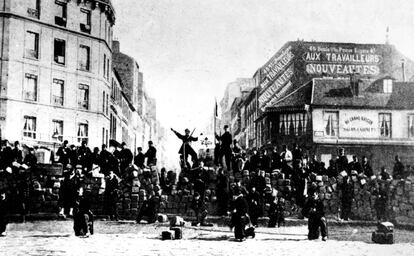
(323, 96)
(55, 70)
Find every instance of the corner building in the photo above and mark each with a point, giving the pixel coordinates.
(55, 70)
(324, 95)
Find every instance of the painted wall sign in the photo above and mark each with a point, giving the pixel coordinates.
(341, 60)
(358, 125)
(271, 92)
(275, 66)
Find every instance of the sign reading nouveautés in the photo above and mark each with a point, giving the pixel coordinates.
(342, 60)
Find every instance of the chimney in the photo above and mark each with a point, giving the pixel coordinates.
(355, 84)
(115, 46)
(403, 69)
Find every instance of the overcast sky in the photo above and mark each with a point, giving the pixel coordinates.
(189, 50)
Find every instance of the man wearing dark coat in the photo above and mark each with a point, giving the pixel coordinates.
(85, 157)
(355, 165)
(63, 153)
(186, 148)
(139, 158)
(4, 213)
(83, 216)
(111, 196)
(17, 153)
(150, 208)
(398, 171)
(254, 200)
(223, 193)
(225, 146)
(125, 157)
(366, 167)
(314, 211)
(239, 216)
(151, 154)
(342, 162)
(199, 207)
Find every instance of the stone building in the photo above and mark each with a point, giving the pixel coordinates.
(55, 70)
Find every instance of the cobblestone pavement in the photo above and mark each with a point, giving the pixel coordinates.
(111, 238)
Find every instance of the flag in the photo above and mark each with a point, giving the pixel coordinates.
(216, 110)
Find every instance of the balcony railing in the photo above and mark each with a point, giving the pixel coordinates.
(33, 13)
(57, 100)
(29, 96)
(83, 104)
(31, 53)
(85, 28)
(60, 21)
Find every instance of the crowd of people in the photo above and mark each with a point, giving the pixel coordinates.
(241, 185)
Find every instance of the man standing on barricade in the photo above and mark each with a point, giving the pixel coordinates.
(225, 146)
(63, 153)
(186, 148)
(139, 159)
(125, 157)
(151, 154)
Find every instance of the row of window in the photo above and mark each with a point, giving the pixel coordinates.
(294, 124)
(30, 92)
(59, 53)
(30, 130)
(61, 16)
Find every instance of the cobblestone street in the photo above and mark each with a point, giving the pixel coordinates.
(56, 238)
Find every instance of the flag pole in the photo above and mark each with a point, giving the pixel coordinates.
(215, 116)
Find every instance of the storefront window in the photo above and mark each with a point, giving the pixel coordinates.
(410, 126)
(330, 119)
(385, 125)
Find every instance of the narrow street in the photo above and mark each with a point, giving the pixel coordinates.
(126, 238)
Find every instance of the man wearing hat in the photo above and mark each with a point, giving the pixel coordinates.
(63, 153)
(186, 148)
(111, 196)
(125, 157)
(151, 154)
(314, 210)
(225, 147)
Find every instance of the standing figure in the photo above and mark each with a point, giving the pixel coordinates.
(237, 161)
(346, 198)
(125, 158)
(4, 211)
(186, 148)
(111, 196)
(85, 157)
(314, 210)
(254, 200)
(222, 191)
(63, 153)
(83, 216)
(199, 207)
(69, 188)
(139, 159)
(366, 167)
(151, 154)
(239, 216)
(225, 147)
(398, 171)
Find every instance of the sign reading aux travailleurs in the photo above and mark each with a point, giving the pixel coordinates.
(342, 60)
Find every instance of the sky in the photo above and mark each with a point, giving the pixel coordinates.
(189, 50)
